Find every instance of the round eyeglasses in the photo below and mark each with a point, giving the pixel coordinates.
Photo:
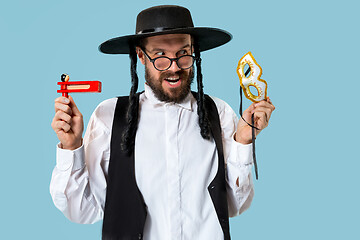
(164, 63)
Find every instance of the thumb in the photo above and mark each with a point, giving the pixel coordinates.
(247, 113)
(74, 108)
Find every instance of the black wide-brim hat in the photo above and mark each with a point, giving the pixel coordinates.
(166, 19)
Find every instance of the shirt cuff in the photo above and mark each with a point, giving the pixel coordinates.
(240, 154)
(239, 164)
(66, 159)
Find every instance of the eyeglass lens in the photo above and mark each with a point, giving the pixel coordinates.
(183, 62)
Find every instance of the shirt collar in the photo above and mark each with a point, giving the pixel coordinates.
(186, 103)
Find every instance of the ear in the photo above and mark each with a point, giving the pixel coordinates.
(141, 55)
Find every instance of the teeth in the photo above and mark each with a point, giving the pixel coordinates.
(173, 80)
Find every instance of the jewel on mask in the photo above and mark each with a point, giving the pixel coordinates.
(253, 79)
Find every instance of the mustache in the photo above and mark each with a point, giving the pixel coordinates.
(180, 73)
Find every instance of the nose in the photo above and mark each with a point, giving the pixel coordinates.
(174, 67)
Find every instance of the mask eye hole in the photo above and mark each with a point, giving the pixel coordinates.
(253, 90)
(247, 70)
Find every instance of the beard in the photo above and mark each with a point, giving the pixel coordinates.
(177, 94)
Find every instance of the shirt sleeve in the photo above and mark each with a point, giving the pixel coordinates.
(78, 182)
(238, 161)
(240, 187)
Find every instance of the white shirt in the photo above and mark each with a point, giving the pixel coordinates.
(173, 167)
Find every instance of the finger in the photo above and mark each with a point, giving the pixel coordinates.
(63, 100)
(260, 116)
(61, 126)
(74, 108)
(265, 104)
(266, 110)
(272, 105)
(63, 107)
(62, 116)
(262, 103)
(247, 113)
(260, 120)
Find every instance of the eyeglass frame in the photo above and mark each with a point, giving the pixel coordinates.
(152, 60)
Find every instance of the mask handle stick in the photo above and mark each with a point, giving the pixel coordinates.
(252, 126)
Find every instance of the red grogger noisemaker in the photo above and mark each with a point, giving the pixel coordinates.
(77, 86)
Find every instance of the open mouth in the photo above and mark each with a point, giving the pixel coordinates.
(173, 80)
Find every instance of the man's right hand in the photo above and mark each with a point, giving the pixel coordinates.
(68, 123)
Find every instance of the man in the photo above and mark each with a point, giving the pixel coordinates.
(152, 165)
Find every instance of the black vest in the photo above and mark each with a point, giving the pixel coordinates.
(125, 210)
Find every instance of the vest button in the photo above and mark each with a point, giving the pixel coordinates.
(140, 236)
(212, 187)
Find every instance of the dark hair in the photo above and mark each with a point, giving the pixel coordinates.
(128, 138)
(201, 110)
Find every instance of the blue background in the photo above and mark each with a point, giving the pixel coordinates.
(308, 157)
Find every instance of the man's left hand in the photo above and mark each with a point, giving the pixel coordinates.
(262, 112)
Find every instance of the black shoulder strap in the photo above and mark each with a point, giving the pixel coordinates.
(217, 187)
(125, 209)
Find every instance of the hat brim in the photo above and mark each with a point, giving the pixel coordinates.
(207, 38)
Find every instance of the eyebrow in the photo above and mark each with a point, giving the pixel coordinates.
(163, 50)
(186, 46)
